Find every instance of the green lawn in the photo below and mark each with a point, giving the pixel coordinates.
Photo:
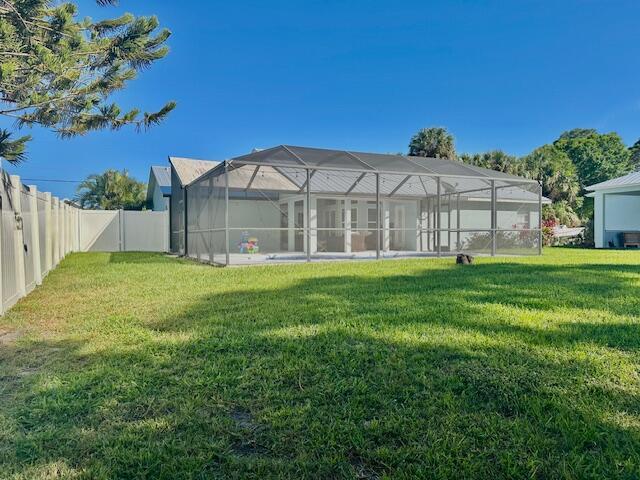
(140, 365)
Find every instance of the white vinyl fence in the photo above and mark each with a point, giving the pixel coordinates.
(123, 231)
(37, 231)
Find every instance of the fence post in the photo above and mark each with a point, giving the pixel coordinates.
(55, 238)
(35, 234)
(60, 230)
(77, 229)
(48, 239)
(56, 232)
(67, 228)
(4, 194)
(71, 235)
(63, 229)
(18, 235)
(73, 228)
(63, 233)
(80, 216)
(122, 233)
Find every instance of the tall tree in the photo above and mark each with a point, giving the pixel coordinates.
(555, 171)
(597, 156)
(434, 142)
(60, 72)
(634, 152)
(111, 190)
(559, 179)
(577, 133)
(494, 160)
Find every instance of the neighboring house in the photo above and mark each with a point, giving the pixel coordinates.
(616, 211)
(159, 188)
(182, 172)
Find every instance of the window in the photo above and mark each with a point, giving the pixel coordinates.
(354, 216)
(372, 216)
(329, 213)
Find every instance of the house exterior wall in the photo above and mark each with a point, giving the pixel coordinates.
(621, 214)
(615, 213)
(160, 202)
(598, 220)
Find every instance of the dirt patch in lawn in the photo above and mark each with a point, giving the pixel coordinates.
(247, 444)
(8, 337)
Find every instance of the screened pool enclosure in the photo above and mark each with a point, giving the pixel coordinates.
(303, 204)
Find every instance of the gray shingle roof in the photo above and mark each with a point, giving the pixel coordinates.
(188, 169)
(163, 178)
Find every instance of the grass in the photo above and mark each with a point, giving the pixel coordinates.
(144, 366)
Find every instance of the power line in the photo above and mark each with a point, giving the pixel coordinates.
(50, 180)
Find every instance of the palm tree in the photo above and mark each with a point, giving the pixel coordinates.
(111, 190)
(433, 142)
(555, 171)
(12, 151)
(494, 160)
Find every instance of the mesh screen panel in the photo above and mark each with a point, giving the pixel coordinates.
(517, 207)
(275, 216)
(329, 158)
(522, 242)
(177, 212)
(206, 218)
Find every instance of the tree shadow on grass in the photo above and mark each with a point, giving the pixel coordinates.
(446, 373)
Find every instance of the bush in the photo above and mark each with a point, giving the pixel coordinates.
(562, 213)
(509, 240)
(588, 238)
(548, 238)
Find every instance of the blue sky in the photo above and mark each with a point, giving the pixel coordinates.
(364, 75)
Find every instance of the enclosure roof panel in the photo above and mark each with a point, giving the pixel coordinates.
(279, 155)
(260, 178)
(320, 158)
(188, 169)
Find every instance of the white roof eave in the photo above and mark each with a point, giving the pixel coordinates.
(613, 189)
